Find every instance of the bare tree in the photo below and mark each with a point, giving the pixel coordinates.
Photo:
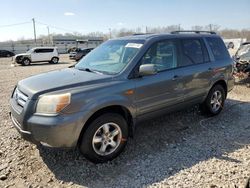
(197, 27)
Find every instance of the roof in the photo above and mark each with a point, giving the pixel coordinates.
(166, 35)
(44, 47)
(246, 43)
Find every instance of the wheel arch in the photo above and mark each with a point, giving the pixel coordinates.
(223, 84)
(118, 109)
(26, 57)
(54, 57)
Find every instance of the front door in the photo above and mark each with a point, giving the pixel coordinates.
(37, 55)
(159, 91)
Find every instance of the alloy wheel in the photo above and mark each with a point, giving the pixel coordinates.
(216, 101)
(107, 139)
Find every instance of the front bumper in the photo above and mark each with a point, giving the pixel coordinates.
(24, 134)
(61, 131)
(18, 59)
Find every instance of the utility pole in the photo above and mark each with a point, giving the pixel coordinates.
(146, 29)
(109, 33)
(34, 26)
(179, 27)
(210, 27)
(48, 35)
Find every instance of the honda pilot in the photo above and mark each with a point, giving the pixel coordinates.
(96, 104)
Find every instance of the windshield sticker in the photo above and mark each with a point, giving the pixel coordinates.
(133, 45)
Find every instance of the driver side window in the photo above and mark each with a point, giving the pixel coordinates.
(162, 55)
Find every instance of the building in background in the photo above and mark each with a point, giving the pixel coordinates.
(63, 43)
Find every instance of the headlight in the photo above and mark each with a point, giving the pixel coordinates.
(52, 104)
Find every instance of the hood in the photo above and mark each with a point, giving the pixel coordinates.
(22, 54)
(59, 80)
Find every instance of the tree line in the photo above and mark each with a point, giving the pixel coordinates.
(114, 33)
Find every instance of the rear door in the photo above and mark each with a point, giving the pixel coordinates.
(48, 54)
(157, 92)
(194, 70)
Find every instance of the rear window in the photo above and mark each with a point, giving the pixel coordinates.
(194, 52)
(218, 48)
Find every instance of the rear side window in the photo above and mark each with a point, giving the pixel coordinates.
(48, 50)
(218, 48)
(44, 50)
(194, 52)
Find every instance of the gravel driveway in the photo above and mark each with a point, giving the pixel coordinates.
(183, 149)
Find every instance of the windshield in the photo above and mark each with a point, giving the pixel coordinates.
(30, 51)
(111, 57)
(243, 49)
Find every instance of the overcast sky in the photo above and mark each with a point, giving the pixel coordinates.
(86, 16)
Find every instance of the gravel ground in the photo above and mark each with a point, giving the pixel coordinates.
(183, 149)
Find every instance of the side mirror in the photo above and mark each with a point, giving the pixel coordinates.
(147, 69)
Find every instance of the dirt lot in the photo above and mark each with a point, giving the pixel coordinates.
(183, 149)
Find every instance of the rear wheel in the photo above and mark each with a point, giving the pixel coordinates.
(105, 138)
(214, 101)
(54, 60)
(26, 62)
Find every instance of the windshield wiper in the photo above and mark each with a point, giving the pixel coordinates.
(90, 70)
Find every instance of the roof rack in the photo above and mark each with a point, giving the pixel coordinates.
(193, 31)
(142, 33)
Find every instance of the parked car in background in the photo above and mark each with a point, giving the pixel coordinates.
(242, 58)
(243, 53)
(72, 54)
(234, 43)
(72, 49)
(38, 54)
(82, 52)
(6, 53)
(96, 104)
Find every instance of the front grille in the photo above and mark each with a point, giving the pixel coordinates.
(20, 97)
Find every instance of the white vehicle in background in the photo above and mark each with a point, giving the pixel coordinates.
(38, 54)
(242, 59)
(243, 53)
(234, 43)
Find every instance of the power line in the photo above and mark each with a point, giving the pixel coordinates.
(55, 27)
(10, 25)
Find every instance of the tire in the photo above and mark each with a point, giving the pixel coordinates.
(54, 60)
(26, 62)
(215, 101)
(98, 146)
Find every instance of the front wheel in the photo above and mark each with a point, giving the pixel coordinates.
(54, 60)
(105, 138)
(214, 101)
(26, 62)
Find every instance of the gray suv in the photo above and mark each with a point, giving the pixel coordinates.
(96, 104)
